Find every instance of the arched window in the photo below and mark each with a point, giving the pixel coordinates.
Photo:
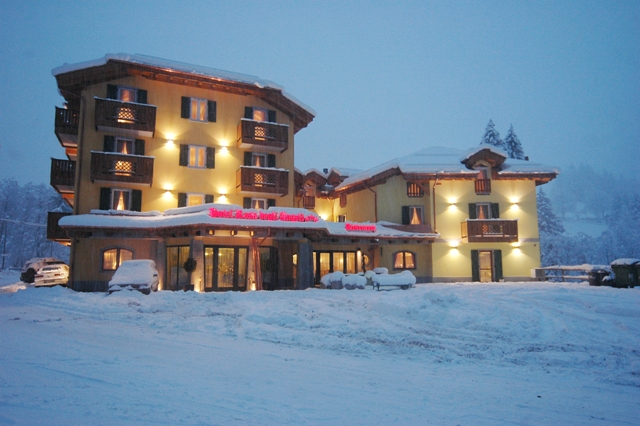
(404, 260)
(112, 258)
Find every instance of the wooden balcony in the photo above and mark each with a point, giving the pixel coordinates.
(262, 180)
(308, 202)
(126, 118)
(483, 186)
(489, 231)
(63, 175)
(66, 127)
(114, 167)
(263, 136)
(55, 232)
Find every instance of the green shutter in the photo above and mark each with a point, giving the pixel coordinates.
(406, 215)
(112, 91)
(248, 113)
(208, 198)
(184, 155)
(271, 116)
(211, 111)
(495, 211)
(182, 199)
(142, 96)
(271, 202)
(271, 160)
(473, 213)
(248, 156)
(185, 109)
(105, 198)
(475, 265)
(138, 148)
(211, 158)
(246, 202)
(136, 200)
(497, 265)
(109, 144)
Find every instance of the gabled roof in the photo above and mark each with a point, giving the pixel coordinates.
(448, 163)
(72, 78)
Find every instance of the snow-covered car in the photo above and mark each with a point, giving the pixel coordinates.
(32, 266)
(140, 275)
(52, 275)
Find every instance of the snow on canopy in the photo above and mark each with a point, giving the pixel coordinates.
(179, 66)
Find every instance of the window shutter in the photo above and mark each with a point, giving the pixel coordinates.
(142, 96)
(138, 149)
(184, 155)
(211, 110)
(473, 214)
(247, 158)
(248, 113)
(246, 202)
(271, 160)
(136, 200)
(495, 211)
(185, 110)
(271, 116)
(497, 264)
(475, 265)
(112, 91)
(109, 144)
(182, 199)
(105, 198)
(211, 158)
(271, 202)
(406, 215)
(208, 198)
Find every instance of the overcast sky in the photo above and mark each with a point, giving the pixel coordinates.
(385, 78)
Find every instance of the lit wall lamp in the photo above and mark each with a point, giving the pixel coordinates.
(233, 232)
(224, 150)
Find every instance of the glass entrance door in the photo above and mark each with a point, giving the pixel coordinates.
(485, 259)
(225, 268)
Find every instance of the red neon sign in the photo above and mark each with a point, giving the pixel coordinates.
(359, 228)
(261, 215)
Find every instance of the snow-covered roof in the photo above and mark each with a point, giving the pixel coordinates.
(625, 262)
(200, 215)
(483, 147)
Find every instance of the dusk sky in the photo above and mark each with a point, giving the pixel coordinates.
(385, 78)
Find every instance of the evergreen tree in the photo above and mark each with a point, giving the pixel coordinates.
(512, 145)
(548, 222)
(491, 136)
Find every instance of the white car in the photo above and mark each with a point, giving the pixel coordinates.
(32, 266)
(140, 275)
(52, 275)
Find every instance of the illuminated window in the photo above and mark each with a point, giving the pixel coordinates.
(124, 146)
(112, 258)
(259, 203)
(412, 215)
(127, 94)
(259, 160)
(404, 260)
(259, 114)
(198, 110)
(195, 109)
(342, 218)
(120, 199)
(195, 199)
(197, 156)
(414, 190)
(484, 211)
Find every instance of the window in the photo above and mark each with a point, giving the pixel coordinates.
(196, 109)
(412, 215)
(197, 156)
(259, 160)
(342, 218)
(343, 261)
(120, 199)
(127, 94)
(259, 114)
(486, 265)
(177, 277)
(484, 211)
(195, 199)
(123, 145)
(483, 183)
(414, 190)
(112, 258)
(404, 260)
(259, 203)
(343, 200)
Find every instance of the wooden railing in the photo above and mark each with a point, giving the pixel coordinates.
(63, 175)
(263, 136)
(55, 232)
(66, 126)
(263, 180)
(308, 202)
(483, 186)
(130, 118)
(113, 167)
(489, 231)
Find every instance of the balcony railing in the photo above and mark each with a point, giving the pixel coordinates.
(483, 186)
(55, 232)
(489, 231)
(66, 126)
(63, 175)
(263, 136)
(114, 167)
(262, 180)
(125, 117)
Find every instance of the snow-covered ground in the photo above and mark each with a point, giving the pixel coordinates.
(495, 354)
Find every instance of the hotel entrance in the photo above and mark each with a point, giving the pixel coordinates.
(225, 268)
(325, 262)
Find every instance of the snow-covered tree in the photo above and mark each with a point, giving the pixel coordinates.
(548, 222)
(491, 136)
(512, 145)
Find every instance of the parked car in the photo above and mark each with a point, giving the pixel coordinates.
(52, 275)
(140, 275)
(32, 266)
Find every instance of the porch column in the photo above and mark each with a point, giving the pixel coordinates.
(161, 262)
(305, 265)
(197, 252)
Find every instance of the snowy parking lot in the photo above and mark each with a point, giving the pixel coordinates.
(508, 353)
